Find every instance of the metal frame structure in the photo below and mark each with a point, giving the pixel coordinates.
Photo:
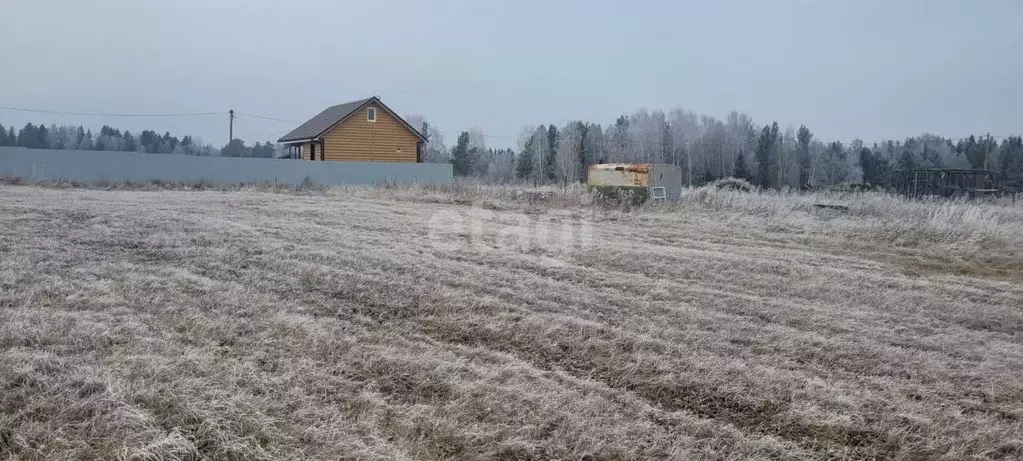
(945, 182)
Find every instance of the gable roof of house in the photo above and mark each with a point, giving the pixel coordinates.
(332, 116)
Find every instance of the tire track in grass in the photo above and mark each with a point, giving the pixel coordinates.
(608, 358)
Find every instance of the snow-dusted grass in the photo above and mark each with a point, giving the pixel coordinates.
(350, 323)
(873, 215)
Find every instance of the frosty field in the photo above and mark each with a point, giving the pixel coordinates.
(369, 324)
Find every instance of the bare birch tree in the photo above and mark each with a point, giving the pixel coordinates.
(540, 146)
(569, 149)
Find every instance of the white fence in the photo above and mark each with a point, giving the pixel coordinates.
(92, 166)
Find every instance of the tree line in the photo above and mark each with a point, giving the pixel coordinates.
(112, 139)
(704, 147)
(708, 149)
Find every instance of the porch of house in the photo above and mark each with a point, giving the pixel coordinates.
(310, 149)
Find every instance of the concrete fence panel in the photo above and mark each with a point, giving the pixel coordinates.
(92, 166)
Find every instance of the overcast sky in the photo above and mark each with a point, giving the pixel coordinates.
(847, 69)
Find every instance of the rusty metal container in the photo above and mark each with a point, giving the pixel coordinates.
(640, 181)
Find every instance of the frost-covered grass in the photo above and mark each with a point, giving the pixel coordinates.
(874, 215)
(350, 323)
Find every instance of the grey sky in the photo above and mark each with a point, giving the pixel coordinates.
(867, 69)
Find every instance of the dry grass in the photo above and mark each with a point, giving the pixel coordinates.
(247, 325)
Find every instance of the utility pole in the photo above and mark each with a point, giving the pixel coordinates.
(230, 130)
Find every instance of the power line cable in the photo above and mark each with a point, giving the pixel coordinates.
(269, 118)
(105, 114)
(484, 135)
(256, 132)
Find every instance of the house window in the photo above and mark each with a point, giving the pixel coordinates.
(371, 114)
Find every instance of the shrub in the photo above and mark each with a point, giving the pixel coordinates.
(731, 183)
(852, 187)
(11, 180)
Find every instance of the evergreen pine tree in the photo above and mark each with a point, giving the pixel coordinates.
(1010, 163)
(803, 139)
(524, 163)
(874, 167)
(552, 153)
(28, 136)
(741, 171)
(129, 142)
(764, 152)
(585, 155)
(460, 155)
(421, 152)
(87, 141)
(42, 137)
